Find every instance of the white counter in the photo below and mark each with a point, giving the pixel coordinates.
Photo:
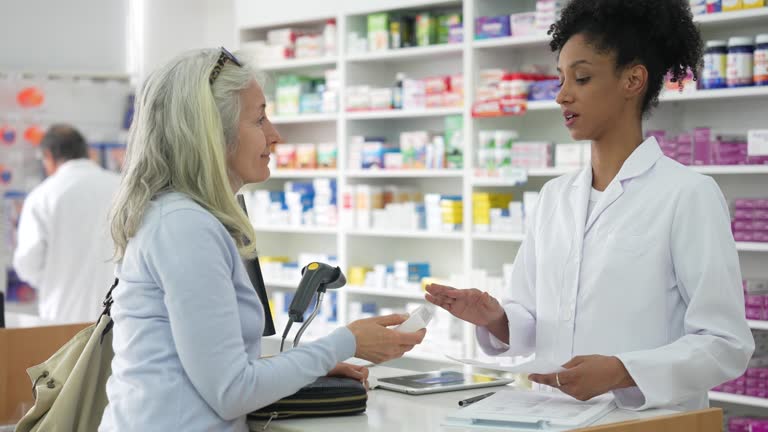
(396, 412)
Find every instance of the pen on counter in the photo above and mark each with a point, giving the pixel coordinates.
(470, 401)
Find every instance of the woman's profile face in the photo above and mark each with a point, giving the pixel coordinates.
(255, 138)
(591, 95)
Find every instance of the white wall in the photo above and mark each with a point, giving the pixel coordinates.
(70, 35)
(175, 26)
(259, 13)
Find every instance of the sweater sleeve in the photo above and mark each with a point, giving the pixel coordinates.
(192, 258)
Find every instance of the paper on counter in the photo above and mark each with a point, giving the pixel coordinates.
(535, 366)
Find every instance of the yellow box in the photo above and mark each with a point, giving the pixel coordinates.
(732, 5)
(752, 4)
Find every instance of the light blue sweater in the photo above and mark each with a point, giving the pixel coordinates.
(187, 334)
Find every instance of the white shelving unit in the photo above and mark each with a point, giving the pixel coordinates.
(304, 118)
(405, 173)
(435, 235)
(292, 64)
(403, 114)
(461, 252)
(407, 53)
(400, 294)
(738, 399)
(303, 174)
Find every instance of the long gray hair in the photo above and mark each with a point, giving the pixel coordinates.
(183, 130)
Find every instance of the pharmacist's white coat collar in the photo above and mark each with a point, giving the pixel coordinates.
(640, 161)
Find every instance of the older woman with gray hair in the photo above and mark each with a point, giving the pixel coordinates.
(188, 323)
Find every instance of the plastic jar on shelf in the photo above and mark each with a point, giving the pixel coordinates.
(761, 60)
(740, 57)
(715, 65)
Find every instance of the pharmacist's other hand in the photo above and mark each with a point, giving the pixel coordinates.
(471, 305)
(588, 376)
(378, 343)
(347, 370)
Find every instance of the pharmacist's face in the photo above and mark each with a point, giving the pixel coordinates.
(256, 136)
(591, 96)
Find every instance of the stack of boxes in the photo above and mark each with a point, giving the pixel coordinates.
(487, 206)
(297, 94)
(754, 382)
(392, 30)
(305, 156)
(756, 299)
(519, 24)
(446, 91)
(417, 150)
(700, 147)
(499, 150)
(747, 424)
(300, 203)
(444, 213)
(701, 7)
(750, 220)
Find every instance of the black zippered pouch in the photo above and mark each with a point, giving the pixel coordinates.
(327, 396)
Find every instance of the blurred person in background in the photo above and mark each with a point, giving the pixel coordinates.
(64, 247)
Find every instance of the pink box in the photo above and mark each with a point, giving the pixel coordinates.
(761, 373)
(754, 300)
(744, 204)
(758, 426)
(744, 236)
(756, 383)
(740, 214)
(755, 312)
(733, 389)
(760, 214)
(760, 236)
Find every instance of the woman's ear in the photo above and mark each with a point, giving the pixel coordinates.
(635, 81)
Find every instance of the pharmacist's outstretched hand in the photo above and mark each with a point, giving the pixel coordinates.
(377, 343)
(588, 376)
(471, 305)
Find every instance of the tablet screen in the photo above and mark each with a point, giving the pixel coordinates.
(438, 379)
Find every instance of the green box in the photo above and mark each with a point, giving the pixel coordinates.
(378, 31)
(454, 141)
(445, 21)
(426, 29)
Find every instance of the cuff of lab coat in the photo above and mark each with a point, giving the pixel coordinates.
(522, 334)
(631, 398)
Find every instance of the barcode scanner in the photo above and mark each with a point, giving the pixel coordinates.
(315, 279)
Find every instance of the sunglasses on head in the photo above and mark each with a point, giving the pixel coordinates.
(223, 57)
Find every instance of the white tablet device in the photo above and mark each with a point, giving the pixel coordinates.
(443, 381)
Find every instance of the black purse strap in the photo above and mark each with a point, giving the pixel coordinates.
(108, 310)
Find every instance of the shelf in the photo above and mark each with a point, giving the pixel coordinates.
(406, 173)
(758, 325)
(305, 118)
(738, 399)
(418, 53)
(303, 173)
(512, 41)
(428, 357)
(735, 17)
(383, 292)
(436, 235)
(281, 284)
(298, 63)
(727, 93)
(731, 169)
(752, 247)
(670, 96)
(399, 114)
(295, 229)
(499, 236)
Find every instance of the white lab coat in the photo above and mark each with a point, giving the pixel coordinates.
(651, 276)
(64, 248)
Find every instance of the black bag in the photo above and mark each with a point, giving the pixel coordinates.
(327, 396)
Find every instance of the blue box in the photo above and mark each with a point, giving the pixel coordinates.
(492, 27)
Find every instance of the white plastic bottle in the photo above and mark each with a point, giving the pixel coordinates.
(418, 319)
(329, 38)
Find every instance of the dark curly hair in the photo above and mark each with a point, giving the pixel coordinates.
(659, 34)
